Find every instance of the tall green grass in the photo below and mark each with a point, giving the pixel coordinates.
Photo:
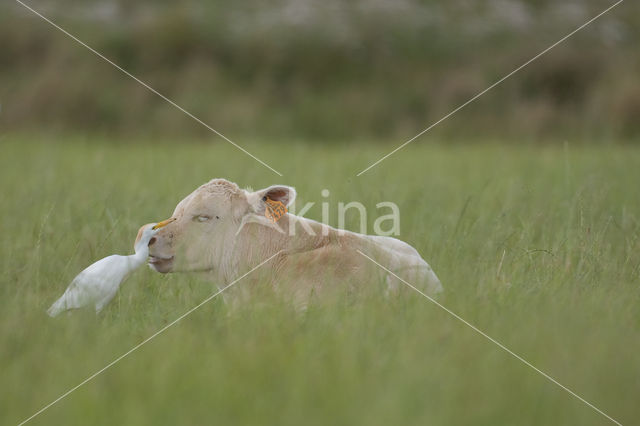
(538, 247)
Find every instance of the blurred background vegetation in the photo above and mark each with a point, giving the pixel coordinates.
(327, 71)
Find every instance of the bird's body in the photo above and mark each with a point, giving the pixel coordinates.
(99, 282)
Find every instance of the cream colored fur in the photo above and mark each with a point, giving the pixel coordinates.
(221, 230)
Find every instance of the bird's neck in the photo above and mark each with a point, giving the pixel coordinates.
(142, 252)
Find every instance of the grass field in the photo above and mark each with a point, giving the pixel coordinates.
(537, 246)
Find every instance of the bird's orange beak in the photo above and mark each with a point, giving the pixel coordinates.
(164, 223)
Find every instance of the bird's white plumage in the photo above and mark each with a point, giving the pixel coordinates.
(99, 282)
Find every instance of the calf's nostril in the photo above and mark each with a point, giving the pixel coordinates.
(152, 241)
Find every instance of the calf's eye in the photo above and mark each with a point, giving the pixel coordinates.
(201, 218)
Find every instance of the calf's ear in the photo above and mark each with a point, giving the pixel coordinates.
(285, 194)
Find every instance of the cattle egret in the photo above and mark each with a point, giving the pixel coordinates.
(99, 283)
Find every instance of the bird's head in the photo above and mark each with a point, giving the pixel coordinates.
(146, 233)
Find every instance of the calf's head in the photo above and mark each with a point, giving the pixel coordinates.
(206, 224)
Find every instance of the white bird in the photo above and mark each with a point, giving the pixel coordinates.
(99, 283)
